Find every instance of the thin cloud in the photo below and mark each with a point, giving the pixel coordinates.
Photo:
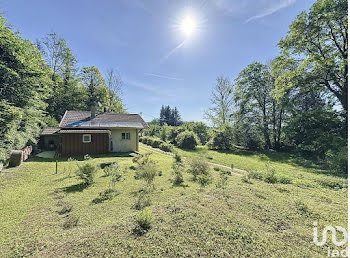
(164, 76)
(140, 85)
(279, 5)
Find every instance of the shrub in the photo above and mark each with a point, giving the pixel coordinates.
(222, 183)
(302, 207)
(198, 166)
(246, 179)
(167, 147)
(203, 180)
(86, 173)
(147, 169)
(337, 160)
(144, 221)
(285, 180)
(270, 176)
(143, 200)
(177, 173)
(104, 196)
(255, 175)
(178, 157)
(156, 143)
(16, 158)
(70, 221)
(222, 138)
(187, 140)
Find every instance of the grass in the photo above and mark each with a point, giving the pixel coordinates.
(247, 219)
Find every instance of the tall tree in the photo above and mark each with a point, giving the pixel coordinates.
(316, 51)
(253, 95)
(114, 84)
(95, 84)
(24, 87)
(222, 102)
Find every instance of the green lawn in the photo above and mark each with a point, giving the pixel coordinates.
(248, 219)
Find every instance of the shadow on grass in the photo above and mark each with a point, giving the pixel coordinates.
(74, 188)
(105, 195)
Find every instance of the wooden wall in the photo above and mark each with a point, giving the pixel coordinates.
(72, 144)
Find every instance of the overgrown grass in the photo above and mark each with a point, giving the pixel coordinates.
(255, 219)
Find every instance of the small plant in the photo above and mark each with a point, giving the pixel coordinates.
(302, 207)
(86, 173)
(104, 196)
(87, 157)
(198, 166)
(285, 180)
(222, 183)
(203, 180)
(160, 173)
(143, 222)
(143, 200)
(246, 179)
(64, 207)
(178, 158)
(270, 176)
(115, 174)
(255, 175)
(146, 170)
(177, 174)
(70, 221)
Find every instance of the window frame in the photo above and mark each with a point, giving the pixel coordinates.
(89, 135)
(126, 136)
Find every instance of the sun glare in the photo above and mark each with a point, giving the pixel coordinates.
(188, 26)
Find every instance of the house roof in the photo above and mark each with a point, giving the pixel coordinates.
(83, 131)
(50, 130)
(82, 119)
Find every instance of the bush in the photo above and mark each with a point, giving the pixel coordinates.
(167, 147)
(147, 169)
(285, 180)
(203, 180)
(144, 221)
(86, 173)
(337, 160)
(143, 200)
(255, 175)
(198, 166)
(156, 143)
(222, 138)
(177, 173)
(178, 157)
(16, 158)
(70, 221)
(270, 176)
(187, 140)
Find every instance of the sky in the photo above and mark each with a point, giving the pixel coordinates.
(144, 40)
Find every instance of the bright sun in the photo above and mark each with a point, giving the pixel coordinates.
(188, 26)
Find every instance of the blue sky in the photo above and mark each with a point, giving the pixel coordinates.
(142, 40)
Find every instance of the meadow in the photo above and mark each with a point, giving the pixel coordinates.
(249, 217)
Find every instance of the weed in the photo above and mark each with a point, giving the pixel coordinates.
(70, 221)
(143, 222)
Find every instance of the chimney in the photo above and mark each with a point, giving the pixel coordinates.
(93, 111)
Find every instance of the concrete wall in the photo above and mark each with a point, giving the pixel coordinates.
(117, 144)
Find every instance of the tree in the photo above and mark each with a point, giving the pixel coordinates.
(315, 51)
(114, 84)
(169, 116)
(24, 87)
(95, 84)
(253, 95)
(222, 100)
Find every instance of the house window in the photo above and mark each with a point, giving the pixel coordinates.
(86, 138)
(125, 136)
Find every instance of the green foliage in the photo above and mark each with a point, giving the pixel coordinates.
(147, 169)
(337, 160)
(143, 222)
(24, 81)
(86, 173)
(169, 116)
(204, 180)
(177, 173)
(315, 132)
(198, 166)
(178, 157)
(222, 138)
(107, 194)
(114, 172)
(187, 140)
(167, 147)
(200, 129)
(222, 182)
